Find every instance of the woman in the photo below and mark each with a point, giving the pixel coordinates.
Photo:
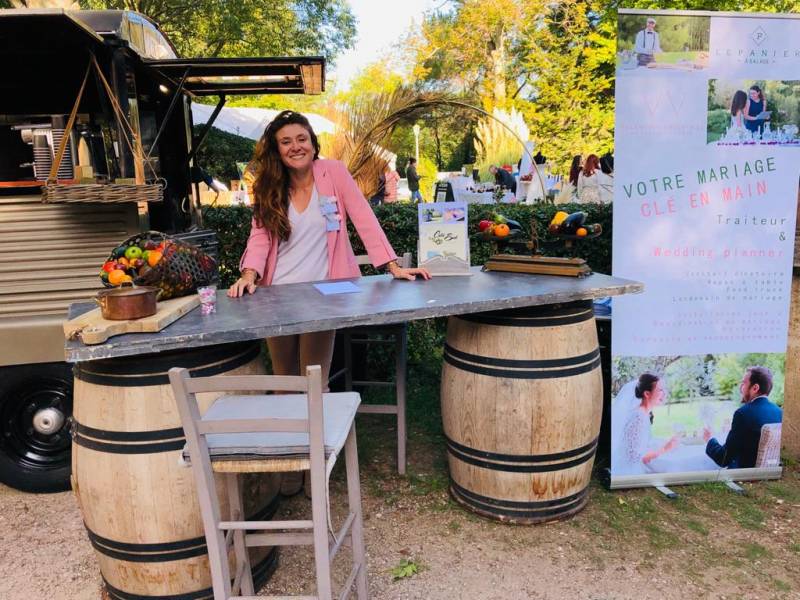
(575, 169)
(589, 181)
(392, 179)
(632, 445)
(606, 179)
(299, 231)
(738, 105)
(756, 104)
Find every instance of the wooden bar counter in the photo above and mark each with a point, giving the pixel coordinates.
(521, 403)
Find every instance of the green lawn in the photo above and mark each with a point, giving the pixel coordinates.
(670, 57)
(669, 417)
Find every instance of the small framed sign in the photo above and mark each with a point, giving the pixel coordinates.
(443, 246)
(443, 192)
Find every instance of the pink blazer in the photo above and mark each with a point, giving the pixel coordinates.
(333, 180)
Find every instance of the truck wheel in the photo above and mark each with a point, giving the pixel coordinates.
(35, 406)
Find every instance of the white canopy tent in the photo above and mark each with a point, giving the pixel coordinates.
(251, 122)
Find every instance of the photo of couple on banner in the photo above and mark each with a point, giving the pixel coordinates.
(697, 426)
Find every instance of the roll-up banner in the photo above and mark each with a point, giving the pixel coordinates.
(707, 159)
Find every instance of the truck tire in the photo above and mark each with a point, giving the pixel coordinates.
(35, 441)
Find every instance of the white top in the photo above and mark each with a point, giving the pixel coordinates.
(636, 440)
(647, 42)
(588, 188)
(595, 188)
(304, 256)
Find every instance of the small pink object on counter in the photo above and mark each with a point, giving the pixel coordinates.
(208, 299)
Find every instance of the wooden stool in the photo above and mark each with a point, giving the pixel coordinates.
(397, 336)
(271, 433)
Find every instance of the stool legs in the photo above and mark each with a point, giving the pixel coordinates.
(319, 516)
(348, 361)
(244, 574)
(400, 386)
(354, 504)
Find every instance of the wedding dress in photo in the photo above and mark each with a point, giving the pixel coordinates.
(631, 433)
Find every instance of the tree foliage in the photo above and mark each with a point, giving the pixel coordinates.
(211, 28)
(221, 151)
(553, 61)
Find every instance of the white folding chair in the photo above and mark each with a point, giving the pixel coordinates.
(272, 433)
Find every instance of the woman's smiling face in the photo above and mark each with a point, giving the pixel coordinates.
(754, 95)
(294, 146)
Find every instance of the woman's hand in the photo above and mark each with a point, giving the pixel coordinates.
(399, 272)
(245, 283)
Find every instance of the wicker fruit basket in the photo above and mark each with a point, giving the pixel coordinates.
(154, 259)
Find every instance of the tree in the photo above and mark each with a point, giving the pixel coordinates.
(554, 61)
(221, 151)
(63, 4)
(210, 28)
(473, 46)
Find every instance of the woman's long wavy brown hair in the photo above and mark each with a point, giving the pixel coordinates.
(271, 185)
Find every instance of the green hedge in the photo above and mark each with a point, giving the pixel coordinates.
(399, 221)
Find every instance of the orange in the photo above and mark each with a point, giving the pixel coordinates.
(153, 258)
(581, 232)
(117, 276)
(502, 230)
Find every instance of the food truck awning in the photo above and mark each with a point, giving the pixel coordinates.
(228, 76)
(46, 30)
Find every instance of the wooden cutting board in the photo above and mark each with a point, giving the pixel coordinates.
(92, 328)
(538, 265)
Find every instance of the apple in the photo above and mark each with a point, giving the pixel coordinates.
(133, 252)
(484, 225)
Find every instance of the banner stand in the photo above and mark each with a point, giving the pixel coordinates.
(707, 142)
(619, 482)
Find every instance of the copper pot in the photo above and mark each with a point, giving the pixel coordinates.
(122, 304)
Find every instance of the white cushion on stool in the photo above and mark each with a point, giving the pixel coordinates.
(339, 411)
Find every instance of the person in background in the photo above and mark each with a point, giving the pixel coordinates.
(199, 175)
(575, 169)
(606, 178)
(413, 180)
(589, 181)
(377, 198)
(503, 178)
(391, 178)
(648, 44)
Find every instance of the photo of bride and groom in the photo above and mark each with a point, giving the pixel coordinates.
(695, 427)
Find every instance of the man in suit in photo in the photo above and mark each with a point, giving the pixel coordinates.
(647, 44)
(741, 446)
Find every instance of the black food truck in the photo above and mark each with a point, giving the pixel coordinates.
(129, 95)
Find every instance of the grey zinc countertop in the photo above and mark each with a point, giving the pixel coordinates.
(299, 308)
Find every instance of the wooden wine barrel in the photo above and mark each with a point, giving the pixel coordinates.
(138, 500)
(521, 404)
